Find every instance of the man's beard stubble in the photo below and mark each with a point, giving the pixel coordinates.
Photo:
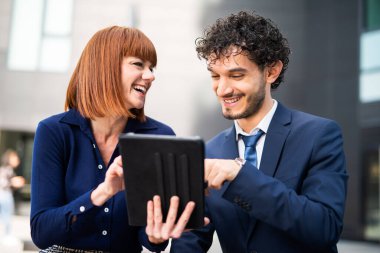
(255, 102)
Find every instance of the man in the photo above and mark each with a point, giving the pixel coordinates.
(286, 192)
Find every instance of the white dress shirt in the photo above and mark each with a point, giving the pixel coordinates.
(263, 125)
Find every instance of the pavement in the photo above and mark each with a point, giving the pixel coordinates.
(20, 241)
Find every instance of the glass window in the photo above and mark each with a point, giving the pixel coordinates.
(370, 67)
(40, 35)
(369, 90)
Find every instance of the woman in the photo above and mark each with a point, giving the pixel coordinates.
(77, 198)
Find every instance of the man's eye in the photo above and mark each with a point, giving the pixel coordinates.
(236, 76)
(214, 76)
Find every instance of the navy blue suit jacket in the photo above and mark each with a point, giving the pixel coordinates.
(293, 203)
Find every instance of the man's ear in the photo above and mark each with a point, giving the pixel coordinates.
(273, 71)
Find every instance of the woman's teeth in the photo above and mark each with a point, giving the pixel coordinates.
(139, 88)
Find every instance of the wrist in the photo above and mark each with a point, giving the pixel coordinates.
(240, 162)
(99, 196)
(156, 241)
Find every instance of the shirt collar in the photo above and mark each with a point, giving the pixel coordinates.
(73, 117)
(263, 124)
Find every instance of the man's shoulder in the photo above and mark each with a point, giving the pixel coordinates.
(299, 117)
(308, 123)
(220, 137)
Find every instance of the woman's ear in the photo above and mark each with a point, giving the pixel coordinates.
(273, 71)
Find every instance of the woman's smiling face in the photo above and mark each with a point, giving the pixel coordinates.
(137, 77)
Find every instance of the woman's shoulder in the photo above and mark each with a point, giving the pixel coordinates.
(70, 117)
(61, 122)
(54, 119)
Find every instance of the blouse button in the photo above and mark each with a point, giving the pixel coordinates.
(104, 232)
(106, 210)
(82, 208)
(100, 167)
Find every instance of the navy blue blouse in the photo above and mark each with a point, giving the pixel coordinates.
(67, 167)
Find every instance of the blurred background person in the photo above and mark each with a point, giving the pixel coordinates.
(8, 181)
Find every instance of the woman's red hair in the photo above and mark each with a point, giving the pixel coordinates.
(95, 88)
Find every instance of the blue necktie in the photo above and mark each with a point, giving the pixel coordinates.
(250, 154)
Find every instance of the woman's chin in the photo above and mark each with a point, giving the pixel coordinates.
(138, 107)
(137, 104)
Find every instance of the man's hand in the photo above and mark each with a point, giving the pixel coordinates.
(217, 171)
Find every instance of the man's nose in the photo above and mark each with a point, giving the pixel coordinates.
(223, 88)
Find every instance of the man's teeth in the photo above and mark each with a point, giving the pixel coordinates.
(141, 89)
(232, 100)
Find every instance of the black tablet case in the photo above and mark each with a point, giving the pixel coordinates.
(165, 166)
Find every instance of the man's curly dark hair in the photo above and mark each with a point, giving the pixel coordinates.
(254, 35)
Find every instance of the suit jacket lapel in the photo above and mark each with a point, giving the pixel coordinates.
(230, 152)
(275, 139)
(278, 131)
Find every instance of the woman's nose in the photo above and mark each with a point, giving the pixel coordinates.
(148, 75)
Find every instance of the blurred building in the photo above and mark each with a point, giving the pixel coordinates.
(334, 72)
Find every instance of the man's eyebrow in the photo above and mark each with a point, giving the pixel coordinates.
(237, 70)
(232, 70)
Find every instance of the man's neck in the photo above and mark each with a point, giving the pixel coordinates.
(249, 123)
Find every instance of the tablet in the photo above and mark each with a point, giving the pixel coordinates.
(166, 166)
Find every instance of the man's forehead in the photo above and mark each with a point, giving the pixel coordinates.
(230, 59)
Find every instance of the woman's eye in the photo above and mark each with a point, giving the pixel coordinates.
(139, 64)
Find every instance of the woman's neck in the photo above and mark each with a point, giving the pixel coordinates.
(107, 127)
(106, 132)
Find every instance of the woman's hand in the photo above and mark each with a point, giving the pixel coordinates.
(113, 183)
(157, 230)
